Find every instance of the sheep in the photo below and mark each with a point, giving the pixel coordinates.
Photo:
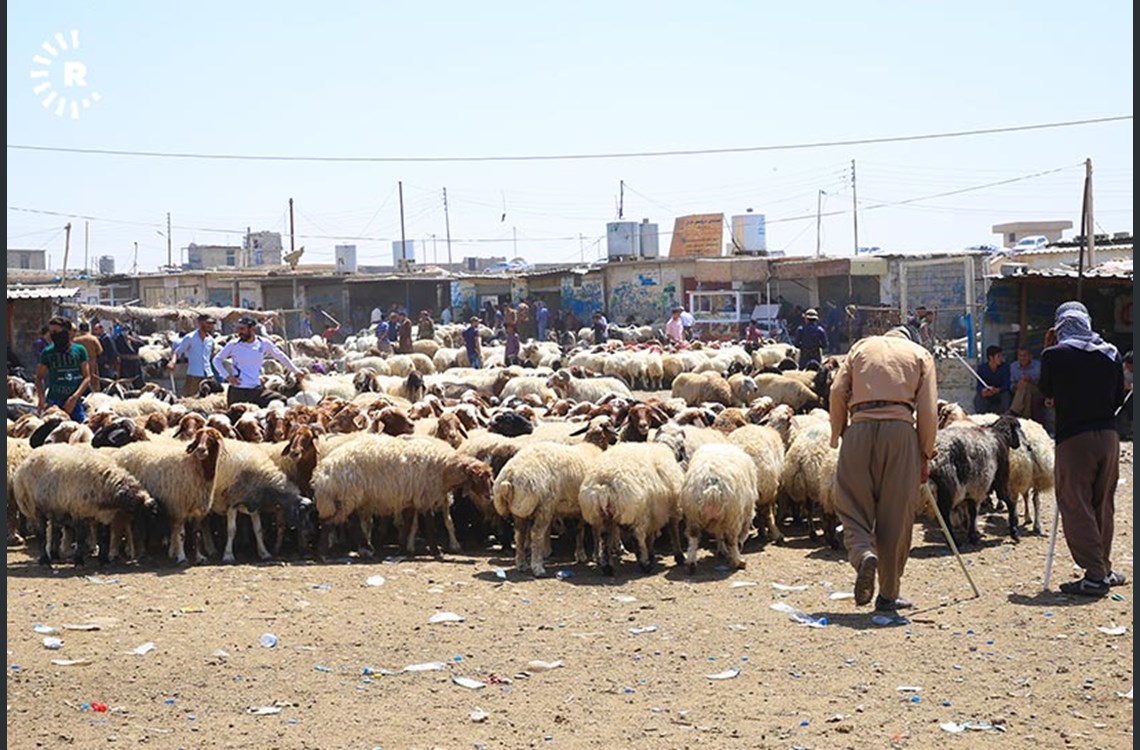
(394, 477)
(145, 404)
(636, 485)
(180, 478)
(970, 461)
(684, 440)
(639, 419)
(449, 429)
(537, 486)
(71, 485)
(69, 433)
(247, 481)
(378, 365)
(587, 389)
(701, 388)
(18, 450)
(523, 386)
(744, 389)
(785, 390)
(764, 445)
(718, 496)
(808, 478)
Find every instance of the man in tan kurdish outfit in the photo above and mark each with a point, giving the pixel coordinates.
(887, 383)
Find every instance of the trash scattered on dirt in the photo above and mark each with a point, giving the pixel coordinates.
(220, 654)
(100, 581)
(1126, 696)
(837, 595)
(45, 629)
(909, 689)
(500, 574)
(954, 727)
(192, 610)
(393, 559)
(624, 599)
(263, 710)
(478, 715)
(376, 580)
(786, 587)
(439, 617)
(564, 574)
(882, 620)
(55, 644)
(82, 626)
(70, 662)
(642, 629)
(1115, 630)
(267, 640)
(1117, 598)
(322, 668)
(727, 674)
(430, 666)
(538, 665)
(799, 616)
(741, 584)
(144, 649)
(467, 682)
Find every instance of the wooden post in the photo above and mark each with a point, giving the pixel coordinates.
(1023, 319)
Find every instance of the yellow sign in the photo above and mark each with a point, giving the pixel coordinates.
(697, 236)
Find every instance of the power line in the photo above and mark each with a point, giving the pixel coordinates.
(569, 157)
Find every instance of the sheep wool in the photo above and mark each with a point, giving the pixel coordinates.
(719, 497)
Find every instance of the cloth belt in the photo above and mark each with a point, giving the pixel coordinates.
(864, 405)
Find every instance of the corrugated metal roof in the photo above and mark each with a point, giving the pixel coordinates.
(42, 292)
(1123, 274)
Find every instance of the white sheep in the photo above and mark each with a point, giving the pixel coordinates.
(809, 475)
(398, 478)
(537, 486)
(179, 477)
(128, 407)
(593, 390)
(718, 497)
(528, 385)
(18, 450)
(635, 485)
(71, 485)
(764, 445)
(703, 387)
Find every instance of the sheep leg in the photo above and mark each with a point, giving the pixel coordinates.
(580, 543)
(177, 547)
(675, 537)
(324, 540)
(255, 521)
(1036, 511)
(522, 536)
(732, 547)
(279, 541)
(644, 552)
(691, 554)
(43, 533)
(453, 544)
(411, 526)
(430, 533)
(204, 530)
(14, 538)
(972, 533)
(604, 541)
(1011, 513)
(539, 542)
(231, 532)
(81, 544)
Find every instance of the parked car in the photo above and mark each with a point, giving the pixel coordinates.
(1028, 244)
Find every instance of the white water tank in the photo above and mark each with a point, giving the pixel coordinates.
(648, 240)
(749, 234)
(403, 253)
(346, 258)
(623, 239)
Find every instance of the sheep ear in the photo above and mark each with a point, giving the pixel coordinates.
(285, 450)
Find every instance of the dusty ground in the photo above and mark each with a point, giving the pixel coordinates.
(1032, 663)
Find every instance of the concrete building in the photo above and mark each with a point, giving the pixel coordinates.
(30, 259)
(1015, 230)
(257, 249)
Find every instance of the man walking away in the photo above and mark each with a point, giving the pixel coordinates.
(198, 347)
(811, 340)
(1082, 376)
(248, 352)
(887, 384)
(63, 374)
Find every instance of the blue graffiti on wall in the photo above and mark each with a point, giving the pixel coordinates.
(582, 300)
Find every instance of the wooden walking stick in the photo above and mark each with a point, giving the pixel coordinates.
(954, 548)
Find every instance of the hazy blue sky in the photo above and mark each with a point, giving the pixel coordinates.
(431, 79)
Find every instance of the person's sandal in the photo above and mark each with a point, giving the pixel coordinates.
(865, 580)
(1116, 579)
(1085, 587)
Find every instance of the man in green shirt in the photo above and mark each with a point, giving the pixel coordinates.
(65, 370)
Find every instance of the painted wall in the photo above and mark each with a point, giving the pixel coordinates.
(463, 293)
(584, 299)
(645, 293)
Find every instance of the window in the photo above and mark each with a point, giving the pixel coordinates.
(1012, 238)
(25, 260)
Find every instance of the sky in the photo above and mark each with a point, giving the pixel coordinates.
(428, 80)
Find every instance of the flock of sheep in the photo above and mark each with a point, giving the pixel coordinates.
(371, 450)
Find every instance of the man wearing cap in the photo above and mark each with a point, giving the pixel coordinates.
(425, 328)
(887, 385)
(248, 352)
(1082, 378)
(811, 340)
(674, 328)
(198, 346)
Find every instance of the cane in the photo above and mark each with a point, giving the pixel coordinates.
(971, 369)
(954, 548)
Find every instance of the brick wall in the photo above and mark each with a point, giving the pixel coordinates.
(955, 383)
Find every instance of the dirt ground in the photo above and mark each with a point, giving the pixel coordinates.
(1034, 667)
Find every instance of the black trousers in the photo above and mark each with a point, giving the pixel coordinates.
(235, 395)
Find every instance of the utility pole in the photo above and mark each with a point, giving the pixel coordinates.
(854, 207)
(403, 242)
(86, 263)
(66, 249)
(292, 236)
(581, 247)
(169, 244)
(135, 263)
(515, 236)
(1087, 226)
(447, 225)
(818, 215)
(621, 199)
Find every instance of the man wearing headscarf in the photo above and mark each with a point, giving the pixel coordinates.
(888, 387)
(1082, 378)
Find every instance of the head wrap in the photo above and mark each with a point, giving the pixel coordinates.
(1074, 329)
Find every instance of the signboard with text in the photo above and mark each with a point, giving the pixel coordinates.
(697, 236)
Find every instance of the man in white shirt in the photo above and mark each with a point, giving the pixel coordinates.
(248, 352)
(198, 346)
(687, 321)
